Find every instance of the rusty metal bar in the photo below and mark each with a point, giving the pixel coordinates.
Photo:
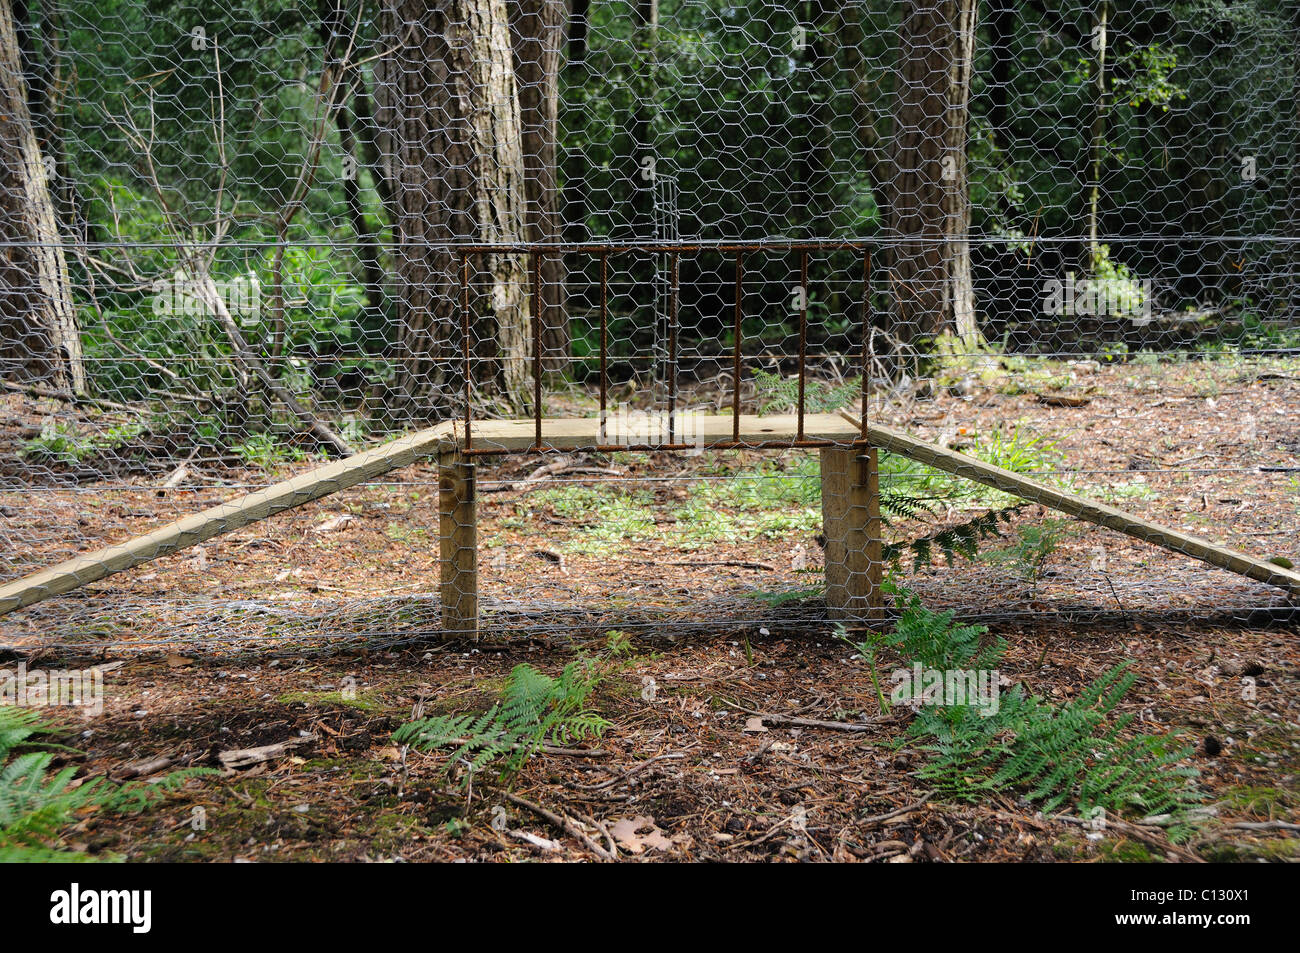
(464, 338)
(537, 346)
(805, 444)
(735, 359)
(672, 347)
(803, 338)
(604, 337)
(594, 248)
(866, 337)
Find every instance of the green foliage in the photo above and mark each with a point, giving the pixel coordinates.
(780, 395)
(910, 489)
(266, 451)
(951, 541)
(1018, 450)
(37, 802)
(934, 639)
(1146, 77)
(1255, 334)
(1054, 755)
(610, 515)
(533, 710)
(60, 442)
(786, 596)
(1033, 545)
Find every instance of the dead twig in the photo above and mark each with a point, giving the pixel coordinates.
(897, 812)
(564, 823)
(1264, 826)
(791, 721)
(247, 757)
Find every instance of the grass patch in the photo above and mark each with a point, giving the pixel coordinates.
(364, 701)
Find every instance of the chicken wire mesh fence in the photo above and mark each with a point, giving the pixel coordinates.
(378, 320)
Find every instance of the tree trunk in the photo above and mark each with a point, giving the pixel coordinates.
(1098, 150)
(644, 164)
(1293, 218)
(334, 39)
(929, 204)
(816, 85)
(39, 342)
(445, 94)
(537, 29)
(868, 115)
(961, 286)
(575, 190)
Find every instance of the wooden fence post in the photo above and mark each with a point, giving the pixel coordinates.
(458, 541)
(850, 479)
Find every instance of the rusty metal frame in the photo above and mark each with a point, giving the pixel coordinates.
(673, 251)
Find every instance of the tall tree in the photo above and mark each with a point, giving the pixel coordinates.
(446, 95)
(643, 163)
(1098, 138)
(537, 29)
(1293, 197)
(929, 201)
(38, 327)
(574, 214)
(338, 45)
(816, 79)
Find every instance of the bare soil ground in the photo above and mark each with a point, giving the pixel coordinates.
(262, 636)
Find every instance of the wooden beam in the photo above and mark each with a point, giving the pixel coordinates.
(639, 429)
(842, 430)
(851, 525)
(223, 518)
(1080, 507)
(458, 541)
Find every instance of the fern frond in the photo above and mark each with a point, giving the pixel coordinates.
(1074, 753)
(533, 708)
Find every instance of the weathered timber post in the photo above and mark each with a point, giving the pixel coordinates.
(458, 539)
(850, 479)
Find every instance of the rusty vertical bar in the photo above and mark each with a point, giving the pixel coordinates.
(866, 336)
(735, 356)
(464, 338)
(604, 339)
(803, 338)
(672, 348)
(537, 348)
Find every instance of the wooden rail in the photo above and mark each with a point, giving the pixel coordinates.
(1080, 507)
(223, 518)
(507, 436)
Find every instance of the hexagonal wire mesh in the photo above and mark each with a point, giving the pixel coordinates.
(243, 245)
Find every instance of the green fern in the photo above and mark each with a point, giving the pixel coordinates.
(533, 710)
(951, 541)
(37, 804)
(1054, 755)
(905, 506)
(1031, 548)
(777, 394)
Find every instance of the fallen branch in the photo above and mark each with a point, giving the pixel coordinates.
(541, 843)
(142, 769)
(737, 563)
(206, 291)
(247, 757)
(1134, 831)
(35, 390)
(547, 749)
(897, 812)
(564, 823)
(1264, 826)
(792, 721)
